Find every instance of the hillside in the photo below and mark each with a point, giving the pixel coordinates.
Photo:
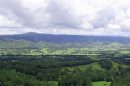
(65, 38)
(35, 40)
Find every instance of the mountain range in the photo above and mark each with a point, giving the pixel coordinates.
(28, 40)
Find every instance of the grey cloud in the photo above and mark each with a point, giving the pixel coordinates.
(104, 17)
(14, 10)
(61, 15)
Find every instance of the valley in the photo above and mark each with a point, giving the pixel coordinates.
(39, 60)
(63, 70)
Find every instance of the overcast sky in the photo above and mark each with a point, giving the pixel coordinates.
(82, 17)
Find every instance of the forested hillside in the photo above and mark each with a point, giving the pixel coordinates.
(35, 40)
(64, 71)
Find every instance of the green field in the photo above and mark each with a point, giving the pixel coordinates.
(115, 65)
(84, 67)
(101, 83)
(95, 65)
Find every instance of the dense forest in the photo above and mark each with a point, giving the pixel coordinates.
(64, 70)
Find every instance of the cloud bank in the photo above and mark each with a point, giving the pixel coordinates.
(82, 17)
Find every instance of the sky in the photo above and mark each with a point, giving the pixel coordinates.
(75, 17)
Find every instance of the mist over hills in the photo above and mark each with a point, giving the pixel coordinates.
(35, 40)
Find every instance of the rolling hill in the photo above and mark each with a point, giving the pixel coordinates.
(36, 40)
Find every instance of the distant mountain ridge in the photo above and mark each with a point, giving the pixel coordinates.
(51, 38)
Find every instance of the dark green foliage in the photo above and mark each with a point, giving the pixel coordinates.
(48, 71)
(43, 67)
(106, 64)
(75, 79)
(13, 78)
(121, 81)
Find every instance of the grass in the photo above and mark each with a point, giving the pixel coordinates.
(94, 66)
(84, 67)
(101, 83)
(53, 83)
(125, 52)
(115, 65)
